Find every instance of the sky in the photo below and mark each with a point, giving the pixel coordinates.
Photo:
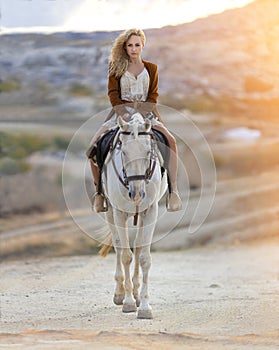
(105, 15)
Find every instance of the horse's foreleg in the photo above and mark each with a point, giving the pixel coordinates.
(136, 279)
(119, 292)
(145, 310)
(145, 263)
(129, 304)
(137, 251)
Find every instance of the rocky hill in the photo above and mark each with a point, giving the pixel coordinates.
(234, 53)
(233, 56)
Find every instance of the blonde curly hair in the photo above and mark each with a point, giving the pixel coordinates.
(119, 59)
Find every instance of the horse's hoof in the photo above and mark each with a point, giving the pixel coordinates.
(118, 299)
(137, 302)
(129, 308)
(145, 314)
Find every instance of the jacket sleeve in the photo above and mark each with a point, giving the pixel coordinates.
(153, 88)
(114, 91)
(114, 95)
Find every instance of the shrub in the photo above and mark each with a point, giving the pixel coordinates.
(32, 143)
(9, 85)
(20, 146)
(15, 148)
(60, 143)
(78, 89)
(9, 166)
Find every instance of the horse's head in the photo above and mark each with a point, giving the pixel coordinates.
(137, 153)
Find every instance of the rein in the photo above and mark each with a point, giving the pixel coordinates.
(149, 171)
(124, 180)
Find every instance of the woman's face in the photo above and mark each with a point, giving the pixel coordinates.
(134, 47)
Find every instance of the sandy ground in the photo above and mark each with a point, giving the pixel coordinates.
(218, 297)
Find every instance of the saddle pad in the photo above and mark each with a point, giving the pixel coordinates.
(103, 146)
(163, 145)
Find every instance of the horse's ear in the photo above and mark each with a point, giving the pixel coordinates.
(123, 125)
(147, 125)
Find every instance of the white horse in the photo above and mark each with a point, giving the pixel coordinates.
(133, 184)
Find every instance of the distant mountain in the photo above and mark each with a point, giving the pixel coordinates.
(234, 55)
(221, 54)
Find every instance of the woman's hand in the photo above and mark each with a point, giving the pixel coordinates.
(126, 117)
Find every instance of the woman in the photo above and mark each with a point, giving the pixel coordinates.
(133, 86)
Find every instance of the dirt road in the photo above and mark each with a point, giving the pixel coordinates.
(205, 298)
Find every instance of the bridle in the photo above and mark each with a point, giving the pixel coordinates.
(124, 179)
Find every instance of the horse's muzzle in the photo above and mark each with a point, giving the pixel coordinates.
(136, 196)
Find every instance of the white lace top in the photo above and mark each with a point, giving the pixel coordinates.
(134, 88)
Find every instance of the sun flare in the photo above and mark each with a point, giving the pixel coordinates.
(113, 15)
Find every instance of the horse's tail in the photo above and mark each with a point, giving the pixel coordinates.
(106, 245)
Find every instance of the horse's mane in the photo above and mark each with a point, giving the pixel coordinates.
(136, 119)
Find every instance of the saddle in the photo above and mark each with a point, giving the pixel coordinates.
(100, 152)
(104, 144)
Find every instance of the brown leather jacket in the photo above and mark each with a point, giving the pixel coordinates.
(114, 93)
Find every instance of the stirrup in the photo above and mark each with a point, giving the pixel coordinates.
(98, 202)
(173, 202)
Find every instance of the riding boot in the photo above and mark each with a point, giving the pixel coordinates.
(173, 200)
(99, 203)
(98, 200)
